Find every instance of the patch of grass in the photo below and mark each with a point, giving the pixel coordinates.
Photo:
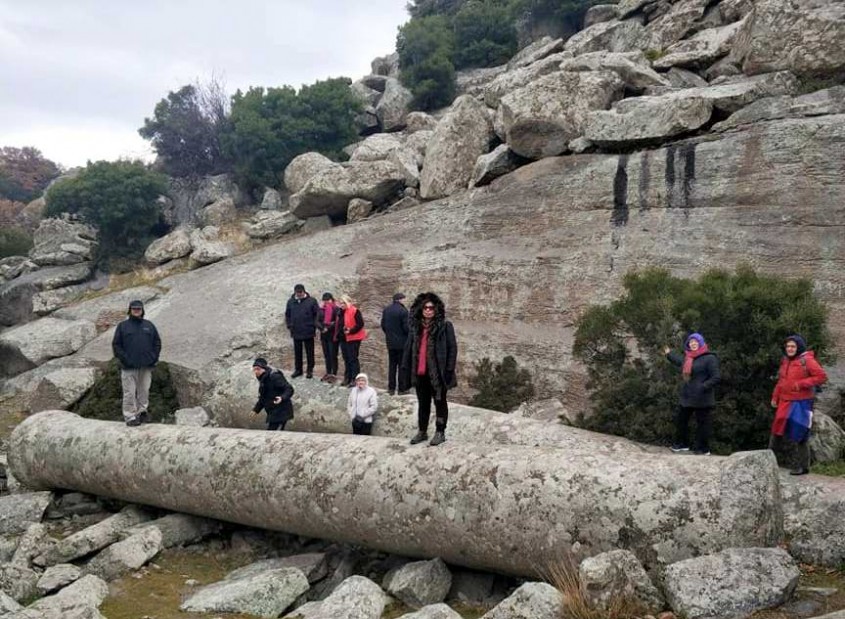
(832, 469)
(813, 577)
(159, 592)
(9, 420)
(654, 54)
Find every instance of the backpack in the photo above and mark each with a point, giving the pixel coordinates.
(816, 389)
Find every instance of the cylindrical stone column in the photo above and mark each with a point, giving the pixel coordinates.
(511, 509)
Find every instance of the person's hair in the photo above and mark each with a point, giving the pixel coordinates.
(299, 288)
(347, 299)
(327, 296)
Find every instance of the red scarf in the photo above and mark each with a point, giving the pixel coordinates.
(689, 357)
(421, 358)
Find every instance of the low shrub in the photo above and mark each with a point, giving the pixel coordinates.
(500, 386)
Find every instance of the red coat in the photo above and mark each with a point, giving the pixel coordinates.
(797, 378)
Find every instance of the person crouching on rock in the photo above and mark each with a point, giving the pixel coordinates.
(362, 406)
(793, 398)
(700, 372)
(274, 395)
(428, 363)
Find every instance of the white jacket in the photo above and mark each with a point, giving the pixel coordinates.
(362, 403)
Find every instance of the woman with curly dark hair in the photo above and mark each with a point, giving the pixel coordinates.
(428, 364)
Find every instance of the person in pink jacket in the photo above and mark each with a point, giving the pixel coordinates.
(793, 398)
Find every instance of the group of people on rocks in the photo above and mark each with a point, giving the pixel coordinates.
(422, 353)
(799, 377)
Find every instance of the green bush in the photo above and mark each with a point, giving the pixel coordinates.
(105, 399)
(119, 198)
(485, 35)
(268, 128)
(501, 386)
(14, 242)
(743, 316)
(426, 46)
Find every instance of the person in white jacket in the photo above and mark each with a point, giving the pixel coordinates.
(362, 405)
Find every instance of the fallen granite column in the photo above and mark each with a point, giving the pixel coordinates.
(505, 508)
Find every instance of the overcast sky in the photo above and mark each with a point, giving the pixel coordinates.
(77, 78)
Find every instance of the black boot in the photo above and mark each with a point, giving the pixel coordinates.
(439, 437)
(419, 437)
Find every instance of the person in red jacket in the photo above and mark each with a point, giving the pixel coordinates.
(792, 399)
(351, 333)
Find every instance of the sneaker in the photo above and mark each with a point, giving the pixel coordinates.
(700, 453)
(678, 448)
(309, 375)
(296, 374)
(799, 471)
(133, 421)
(144, 417)
(419, 437)
(439, 437)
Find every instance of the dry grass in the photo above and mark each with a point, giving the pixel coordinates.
(563, 575)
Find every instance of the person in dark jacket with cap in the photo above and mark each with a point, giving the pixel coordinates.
(428, 363)
(301, 315)
(274, 395)
(137, 346)
(394, 323)
(700, 374)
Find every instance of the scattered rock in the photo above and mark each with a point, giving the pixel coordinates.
(20, 511)
(176, 244)
(645, 119)
(376, 147)
(18, 582)
(674, 24)
(272, 200)
(631, 67)
(499, 162)
(535, 52)
(62, 388)
(58, 576)
(79, 600)
(32, 543)
(272, 224)
(471, 587)
(616, 575)
(179, 529)
(600, 13)
(700, 49)
(408, 161)
(125, 556)
(419, 121)
(819, 103)
(536, 600)
(12, 266)
(682, 78)
(207, 248)
(394, 105)
(313, 565)
(358, 210)
(188, 197)
(61, 242)
(8, 605)
(827, 440)
(73, 504)
(218, 213)
(611, 36)
(507, 83)
(266, 594)
(420, 583)
(196, 416)
(434, 611)
(355, 598)
(386, 65)
(304, 167)
(732, 583)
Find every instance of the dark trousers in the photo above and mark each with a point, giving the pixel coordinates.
(276, 425)
(362, 428)
(329, 352)
(703, 429)
(801, 450)
(394, 359)
(297, 354)
(351, 367)
(425, 394)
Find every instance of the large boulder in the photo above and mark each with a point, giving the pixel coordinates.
(219, 212)
(675, 24)
(394, 105)
(513, 80)
(819, 103)
(433, 611)
(303, 168)
(599, 13)
(271, 200)
(475, 81)
(265, 594)
(827, 440)
(60, 242)
(700, 49)
(419, 121)
(207, 247)
(461, 136)
(313, 565)
(494, 164)
(618, 575)
(330, 190)
(814, 519)
(733, 583)
(58, 576)
(63, 387)
(12, 266)
(536, 600)
(127, 555)
(355, 598)
(386, 65)
(20, 511)
(186, 198)
(802, 36)
(611, 36)
(631, 67)
(20, 583)
(540, 119)
(176, 244)
(27, 346)
(177, 529)
(420, 583)
(646, 119)
(376, 147)
(271, 224)
(79, 600)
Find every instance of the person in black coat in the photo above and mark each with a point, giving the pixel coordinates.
(327, 320)
(137, 346)
(394, 323)
(428, 363)
(301, 316)
(700, 373)
(274, 395)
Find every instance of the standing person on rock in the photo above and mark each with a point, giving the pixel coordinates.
(301, 315)
(326, 323)
(274, 395)
(798, 377)
(351, 333)
(700, 373)
(137, 346)
(394, 323)
(362, 405)
(428, 364)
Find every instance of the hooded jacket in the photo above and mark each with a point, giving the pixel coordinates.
(441, 338)
(136, 343)
(362, 403)
(798, 377)
(271, 384)
(301, 317)
(700, 390)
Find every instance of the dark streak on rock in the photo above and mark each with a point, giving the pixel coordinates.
(670, 176)
(619, 216)
(645, 179)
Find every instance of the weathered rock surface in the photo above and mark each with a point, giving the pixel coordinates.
(358, 210)
(355, 598)
(93, 538)
(266, 594)
(646, 119)
(600, 13)
(434, 611)
(632, 68)
(419, 121)
(735, 499)
(615, 575)
(188, 197)
(79, 600)
(329, 191)
(127, 555)
(461, 136)
(814, 519)
(700, 49)
(18, 296)
(303, 167)
(12, 266)
(675, 24)
(819, 103)
(386, 65)
(8, 605)
(219, 212)
(196, 416)
(827, 441)
(498, 162)
(612, 36)
(271, 201)
(176, 244)
(534, 52)
(58, 576)
(513, 80)
(420, 583)
(541, 118)
(394, 105)
(178, 529)
(48, 301)
(61, 242)
(313, 565)
(733, 583)
(62, 388)
(27, 346)
(207, 246)
(376, 147)
(18, 582)
(32, 543)
(271, 224)
(802, 36)
(537, 600)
